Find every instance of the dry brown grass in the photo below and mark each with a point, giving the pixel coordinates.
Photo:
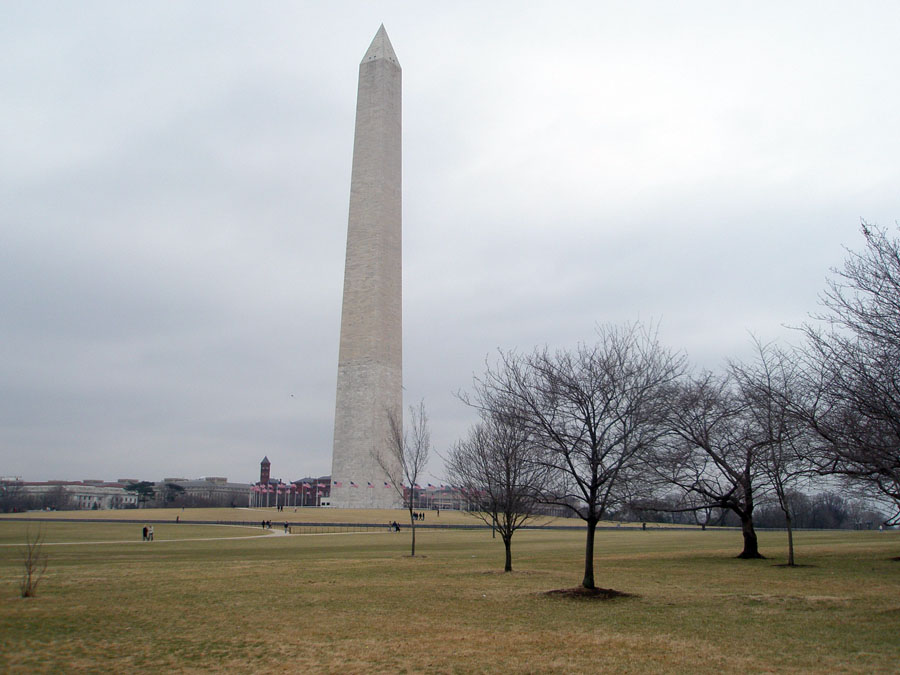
(357, 603)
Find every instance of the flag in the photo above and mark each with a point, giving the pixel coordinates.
(431, 487)
(352, 484)
(336, 483)
(386, 484)
(368, 484)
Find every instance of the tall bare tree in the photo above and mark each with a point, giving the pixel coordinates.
(855, 369)
(591, 413)
(713, 452)
(771, 386)
(495, 466)
(405, 458)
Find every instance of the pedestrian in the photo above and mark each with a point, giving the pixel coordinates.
(144, 538)
(150, 533)
(177, 519)
(285, 527)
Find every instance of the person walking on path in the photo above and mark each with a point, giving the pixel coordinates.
(144, 538)
(150, 533)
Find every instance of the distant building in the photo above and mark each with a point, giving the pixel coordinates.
(212, 491)
(65, 495)
(304, 492)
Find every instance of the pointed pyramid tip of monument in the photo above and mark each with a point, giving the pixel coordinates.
(381, 48)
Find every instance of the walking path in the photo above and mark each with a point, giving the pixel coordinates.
(268, 533)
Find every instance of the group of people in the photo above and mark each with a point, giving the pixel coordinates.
(148, 532)
(394, 526)
(418, 515)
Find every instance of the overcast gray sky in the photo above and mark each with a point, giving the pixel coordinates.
(174, 185)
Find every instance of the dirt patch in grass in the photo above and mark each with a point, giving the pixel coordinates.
(582, 593)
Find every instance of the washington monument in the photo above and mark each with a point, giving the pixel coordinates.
(369, 377)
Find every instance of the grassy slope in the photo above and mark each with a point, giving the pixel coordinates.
(355, 603)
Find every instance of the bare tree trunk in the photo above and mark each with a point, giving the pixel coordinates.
(588, 581)
(507, 542)
(751, 545)
(790, 533)
(412, 527)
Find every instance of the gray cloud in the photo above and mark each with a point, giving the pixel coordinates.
(175, 178)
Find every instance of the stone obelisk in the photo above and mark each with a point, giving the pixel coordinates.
(369, 382)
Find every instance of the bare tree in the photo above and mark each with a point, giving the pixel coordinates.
(591, 414)
(855, 369)
(496, 468)
(713, 452)
(34, 563)
(771, 387)
(405, 458)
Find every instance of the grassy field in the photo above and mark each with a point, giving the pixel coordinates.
(354, 602)
(290, 514)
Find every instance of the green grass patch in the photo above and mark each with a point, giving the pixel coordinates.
(355, 602)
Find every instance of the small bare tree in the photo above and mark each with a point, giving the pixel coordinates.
(34, 563)
(405, 457)
(497, 469)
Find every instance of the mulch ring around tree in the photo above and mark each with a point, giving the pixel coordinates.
(582, 593)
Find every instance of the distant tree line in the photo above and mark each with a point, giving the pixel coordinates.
(624, 427)
(14, 498)
(825, 510)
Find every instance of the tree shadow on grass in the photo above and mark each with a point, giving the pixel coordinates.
(794, 565)
(582, 593)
